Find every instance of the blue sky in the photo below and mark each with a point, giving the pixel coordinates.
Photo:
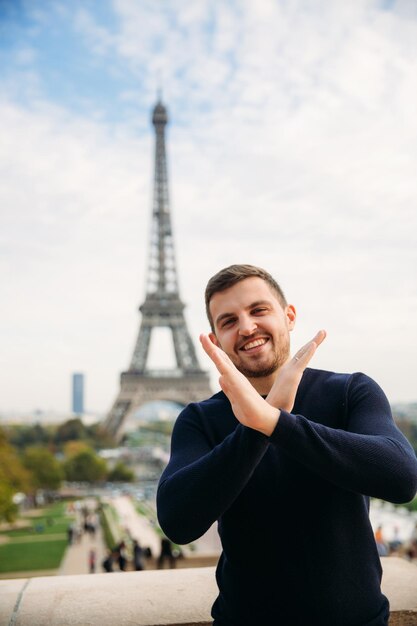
(291, 145)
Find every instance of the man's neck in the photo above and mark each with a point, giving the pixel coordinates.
(263, 385)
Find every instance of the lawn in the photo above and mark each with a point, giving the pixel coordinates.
(38, 546)
(39, 555)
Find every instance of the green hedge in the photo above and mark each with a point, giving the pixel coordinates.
(107, 524)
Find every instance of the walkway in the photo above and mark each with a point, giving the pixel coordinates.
(76, 558)
(138, 526)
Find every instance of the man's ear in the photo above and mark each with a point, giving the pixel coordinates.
(214, 339)
(291, 314)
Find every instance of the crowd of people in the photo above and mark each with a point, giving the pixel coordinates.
(396, 546)
(128, 554)
(131, 555)
(85, 521)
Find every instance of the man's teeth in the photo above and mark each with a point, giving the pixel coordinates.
(254, 344)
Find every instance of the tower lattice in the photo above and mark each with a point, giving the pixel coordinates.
(186, 382)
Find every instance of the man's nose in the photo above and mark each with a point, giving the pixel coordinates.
(247, 326)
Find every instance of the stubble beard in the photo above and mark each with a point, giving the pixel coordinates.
(262, 369)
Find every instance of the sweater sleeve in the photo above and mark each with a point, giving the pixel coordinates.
(370, 456)
(200, 481)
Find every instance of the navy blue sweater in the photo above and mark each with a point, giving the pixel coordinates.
(292, 508)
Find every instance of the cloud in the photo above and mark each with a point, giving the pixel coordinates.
(72, 198)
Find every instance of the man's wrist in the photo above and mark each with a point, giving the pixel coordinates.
(271, 421)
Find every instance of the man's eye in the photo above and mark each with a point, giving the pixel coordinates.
(227, 322)
(259, 310)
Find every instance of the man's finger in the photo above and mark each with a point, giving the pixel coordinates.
(320, 336)
(303, 356)
(219, 358)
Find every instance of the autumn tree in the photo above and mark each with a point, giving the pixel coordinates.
(46, 471)
(121, 473)
(85, 466)
(13, 478)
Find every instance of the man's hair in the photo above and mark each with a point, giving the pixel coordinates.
(233, 274)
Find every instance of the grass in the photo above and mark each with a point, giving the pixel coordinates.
(51, 520)
(38, 546)
(39, 555)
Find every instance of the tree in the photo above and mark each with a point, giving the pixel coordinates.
(22, 436)
(46, 471)
(8, 509)
(72, 448)
(100, 436)
(13, 478)
(120, 473)
(71, 430)
(86, 466)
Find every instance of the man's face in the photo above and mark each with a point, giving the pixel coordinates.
(252, 327)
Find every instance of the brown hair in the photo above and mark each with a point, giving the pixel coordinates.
(233, 274)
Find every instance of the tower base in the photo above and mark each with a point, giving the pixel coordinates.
(137, 388)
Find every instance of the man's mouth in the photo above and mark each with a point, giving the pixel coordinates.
(255, 343)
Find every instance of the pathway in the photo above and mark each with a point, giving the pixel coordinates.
(138, 526)
(76, 558)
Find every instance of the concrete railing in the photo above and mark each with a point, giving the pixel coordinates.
(180, 597)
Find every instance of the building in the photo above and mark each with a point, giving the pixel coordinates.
(78, 393)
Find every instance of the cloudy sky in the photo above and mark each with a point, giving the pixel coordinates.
(292, 144)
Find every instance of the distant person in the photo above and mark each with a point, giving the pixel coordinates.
(411, 550)
(138, 556)
(107, 563)
(380, 543)
(92, 561)
(396, 543)
(166, 554)
(282, 443)
(70, 533)
(121, 556)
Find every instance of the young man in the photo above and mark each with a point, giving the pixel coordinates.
(285, 458)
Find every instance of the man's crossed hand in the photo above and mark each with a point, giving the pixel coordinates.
(248, 406)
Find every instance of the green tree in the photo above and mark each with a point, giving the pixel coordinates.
(22, 436)
(46, 471)
(121, 473)
(71, 430)
(13, 478)
(100, 436)
(86, 466)
(8, 509)
(72, 448)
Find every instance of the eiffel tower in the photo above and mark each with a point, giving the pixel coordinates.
(186, 382)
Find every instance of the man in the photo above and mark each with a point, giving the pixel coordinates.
(285, 457)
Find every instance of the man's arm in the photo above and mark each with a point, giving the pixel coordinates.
(200, 481)
(371, 457)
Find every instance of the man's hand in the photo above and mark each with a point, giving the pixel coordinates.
(248, 406)
(284, 389)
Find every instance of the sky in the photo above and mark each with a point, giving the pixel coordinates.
(292, 145)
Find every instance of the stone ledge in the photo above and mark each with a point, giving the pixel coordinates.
(155, 598)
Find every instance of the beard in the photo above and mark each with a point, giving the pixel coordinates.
(267, 366)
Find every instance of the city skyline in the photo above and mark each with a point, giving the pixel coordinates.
(291, 145)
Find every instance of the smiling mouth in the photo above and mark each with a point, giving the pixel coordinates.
(253, 344)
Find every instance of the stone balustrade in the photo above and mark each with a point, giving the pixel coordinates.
(181, 597)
